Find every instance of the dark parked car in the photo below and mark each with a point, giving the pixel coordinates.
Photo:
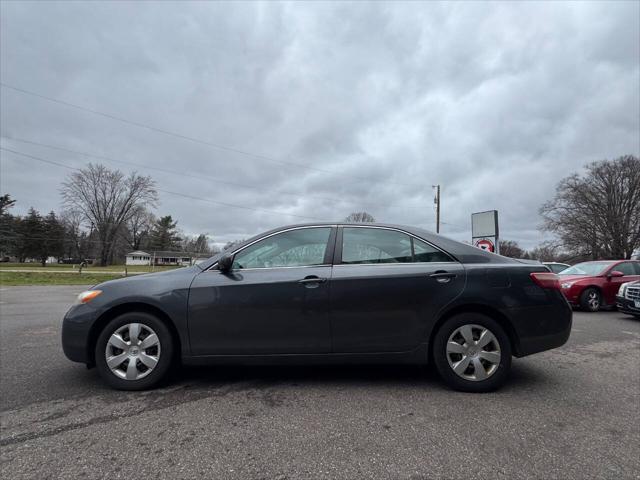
(628, 298)
(593, 285)
(325, 293)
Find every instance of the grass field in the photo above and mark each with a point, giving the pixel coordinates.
(74, 268)
(56, 274)
(52, 278)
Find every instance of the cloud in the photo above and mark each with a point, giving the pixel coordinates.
(356, 106)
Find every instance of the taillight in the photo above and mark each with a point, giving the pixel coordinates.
(546, 279)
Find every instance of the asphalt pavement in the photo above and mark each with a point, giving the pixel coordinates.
(573, 412)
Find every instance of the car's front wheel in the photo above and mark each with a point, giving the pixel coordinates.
(134, 351)
(472, 353)
(591, 300)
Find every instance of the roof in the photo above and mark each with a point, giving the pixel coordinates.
(602, 261)
(163, 253)
(167, 253)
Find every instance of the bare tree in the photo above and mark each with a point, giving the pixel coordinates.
(546, 252)
(107, 199)
(138, 228)
(598, 214)
(197, 245)
(510, 248)
(74, 236)
(231, 245)
(360, 217)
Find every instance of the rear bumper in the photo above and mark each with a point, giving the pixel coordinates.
(541, 328)
(626, 306)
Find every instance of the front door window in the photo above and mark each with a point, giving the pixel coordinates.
(295, 248)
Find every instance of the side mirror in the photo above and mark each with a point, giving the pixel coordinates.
(616, 273)
(225, 263)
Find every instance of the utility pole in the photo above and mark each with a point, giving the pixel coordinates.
(436, 200)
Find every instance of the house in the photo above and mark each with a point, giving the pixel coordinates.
(160, 258)
(138, 258)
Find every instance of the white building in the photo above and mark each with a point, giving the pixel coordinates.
(160, 258)
(138, 258)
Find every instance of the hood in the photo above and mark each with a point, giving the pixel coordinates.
(574, 278)
(153, 276)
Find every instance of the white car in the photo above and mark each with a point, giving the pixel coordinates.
(556, 267)
(628, 298)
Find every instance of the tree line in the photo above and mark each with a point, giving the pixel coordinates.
(105, 215)
(593, 215)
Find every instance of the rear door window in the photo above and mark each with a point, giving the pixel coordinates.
(626, 268)
(379, 245)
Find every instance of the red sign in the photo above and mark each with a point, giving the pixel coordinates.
(485, 244)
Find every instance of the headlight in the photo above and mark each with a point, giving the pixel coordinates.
(87, 296)
(566, 285)
(622, 290)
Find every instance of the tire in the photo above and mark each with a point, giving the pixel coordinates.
(591, 299)
(146, 372)
(494, 358)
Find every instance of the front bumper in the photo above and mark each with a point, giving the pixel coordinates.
(572, 294)
(626, 306)
(76, 332)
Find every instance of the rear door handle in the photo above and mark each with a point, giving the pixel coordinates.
(312, 281)
(443, 277)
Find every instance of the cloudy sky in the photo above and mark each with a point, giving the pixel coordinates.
(269, 114)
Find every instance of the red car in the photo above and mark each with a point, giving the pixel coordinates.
(592, 285)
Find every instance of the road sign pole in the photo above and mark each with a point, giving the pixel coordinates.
(437, 202)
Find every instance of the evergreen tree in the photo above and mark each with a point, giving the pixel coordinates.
(31, 235)
(53, 241)
(8, 226)
(164, 234)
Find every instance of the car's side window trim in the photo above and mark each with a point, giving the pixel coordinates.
(327, 256)
(337, 258)
(337, 253)
(331, 245)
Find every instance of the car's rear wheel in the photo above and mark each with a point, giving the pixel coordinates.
(472, 353)
(591, 300)
(134, 351)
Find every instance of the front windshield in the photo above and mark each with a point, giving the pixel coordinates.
(587, 268)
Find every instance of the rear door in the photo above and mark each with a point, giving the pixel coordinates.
(387, 287)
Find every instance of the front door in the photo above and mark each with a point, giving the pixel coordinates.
(387, 288)
(273, 301)
(631, 271)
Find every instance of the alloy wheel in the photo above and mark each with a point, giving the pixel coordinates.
(473, 352)
(593, 300)
(133, 351)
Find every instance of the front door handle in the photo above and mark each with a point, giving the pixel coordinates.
(312, 281)
(442, 277)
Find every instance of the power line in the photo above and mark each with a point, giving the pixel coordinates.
(186, 137)
(39, 159)
(187, 175)
(170, 192)
(173, 193)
